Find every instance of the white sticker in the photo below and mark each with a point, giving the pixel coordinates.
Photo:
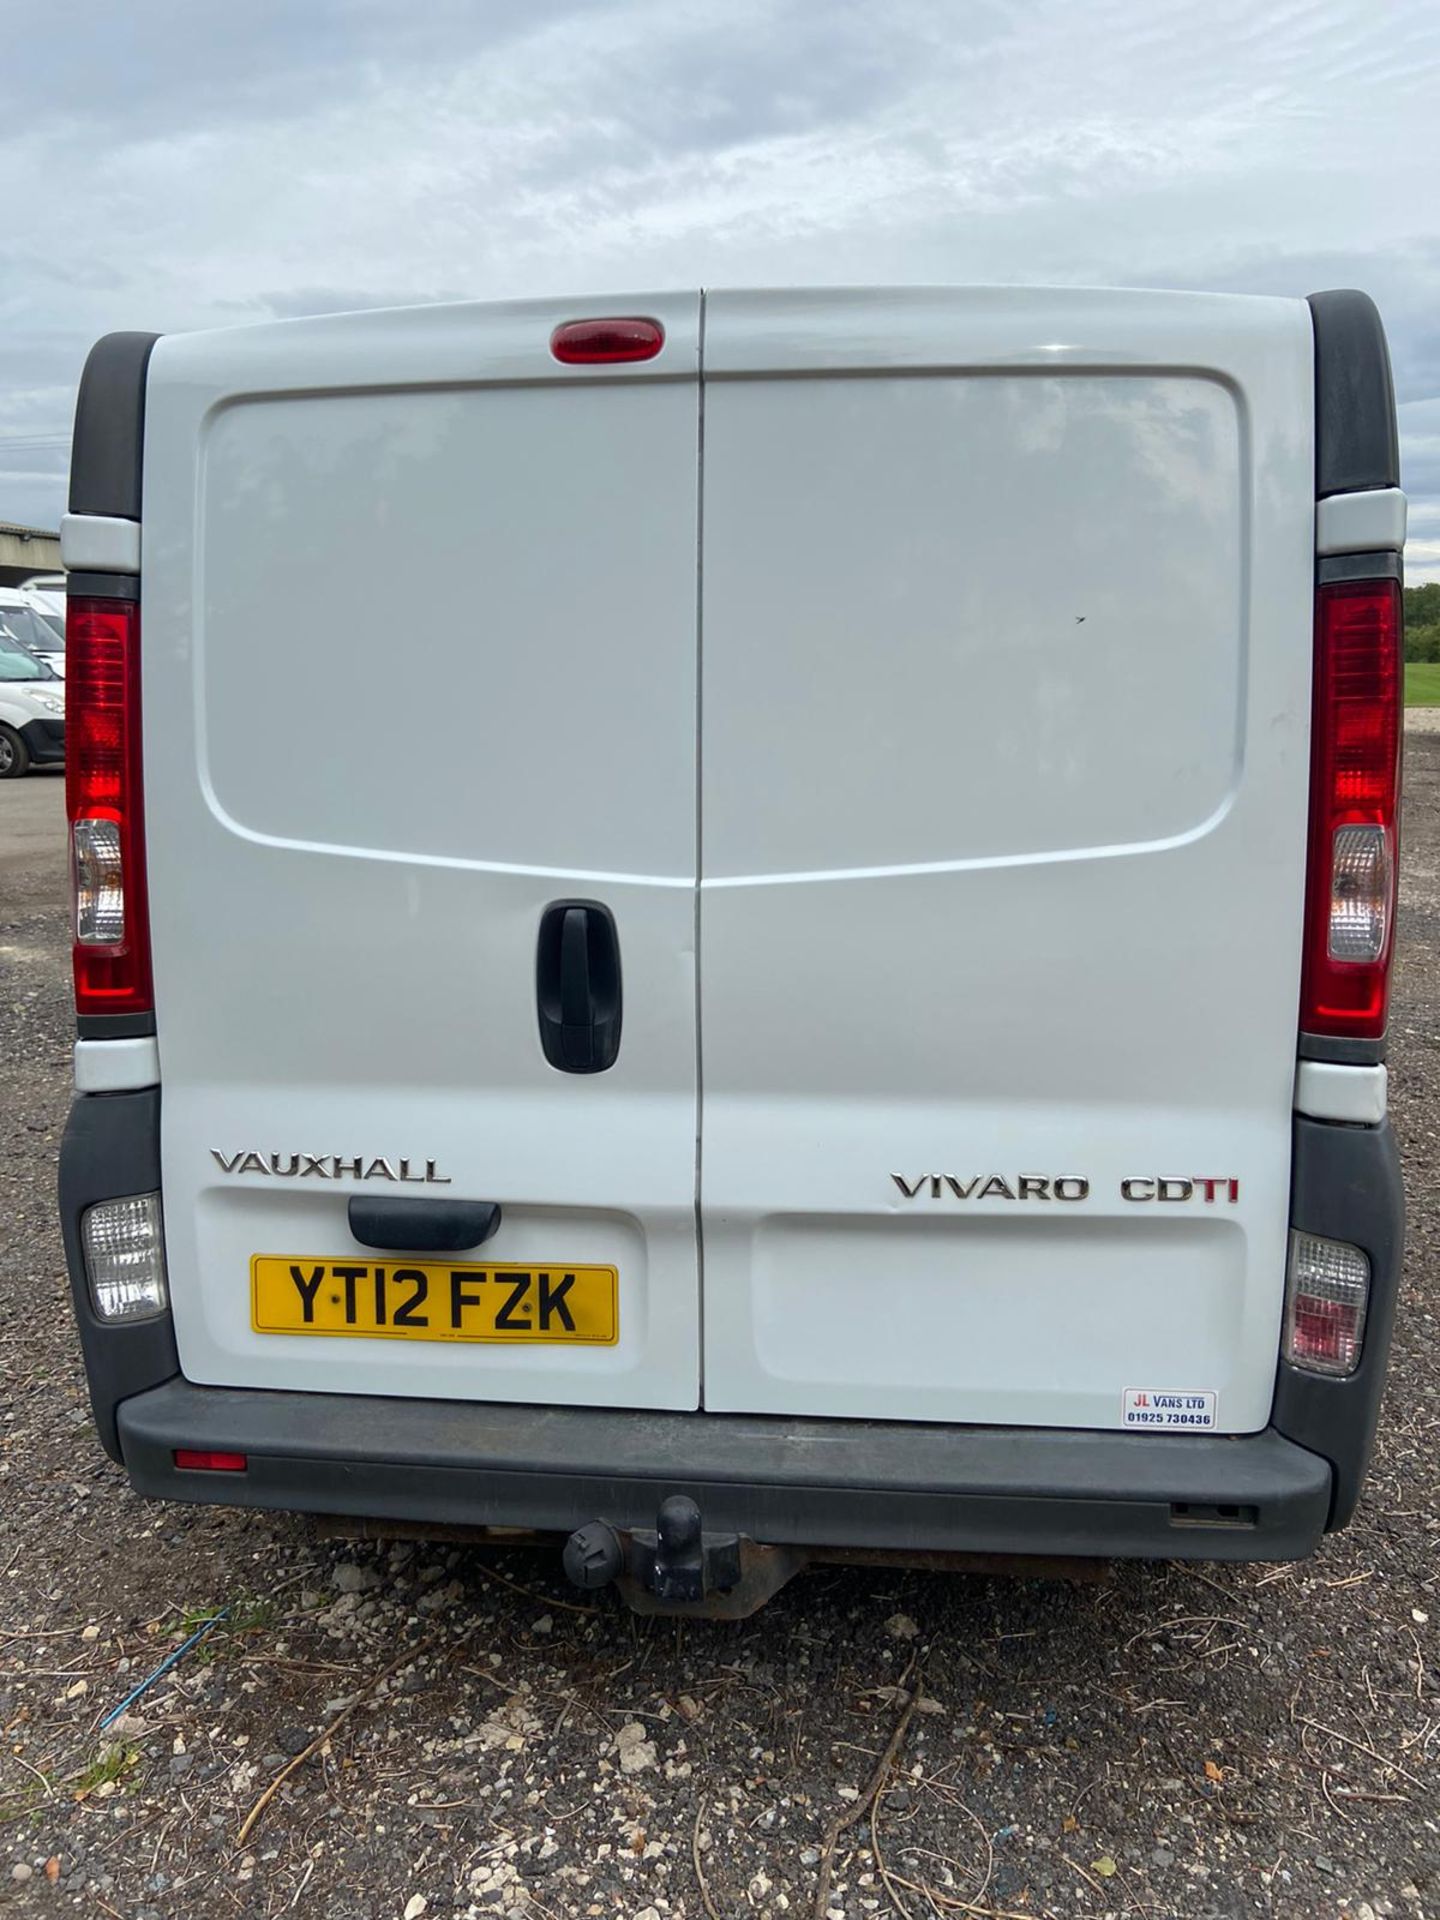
(1145, 1407)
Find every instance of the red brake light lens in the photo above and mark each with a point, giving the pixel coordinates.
(203, 1460)
(1354, 809)
(598, 343)
(104, 801)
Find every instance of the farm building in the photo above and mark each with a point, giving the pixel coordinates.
(26, 550)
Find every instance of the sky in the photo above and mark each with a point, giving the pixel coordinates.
(171, 164)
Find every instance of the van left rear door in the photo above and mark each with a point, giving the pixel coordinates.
(419, 639)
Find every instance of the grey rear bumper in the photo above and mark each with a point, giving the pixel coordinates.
(790, 1482)
(801, 1482)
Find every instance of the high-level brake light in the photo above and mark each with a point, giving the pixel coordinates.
(593, 343)
(1355, 765)
(103, 798)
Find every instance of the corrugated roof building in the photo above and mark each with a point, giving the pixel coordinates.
(26, 550)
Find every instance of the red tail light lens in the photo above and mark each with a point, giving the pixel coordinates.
(594, 343)
(104, 800)
(1354, 795)
(202, 1460)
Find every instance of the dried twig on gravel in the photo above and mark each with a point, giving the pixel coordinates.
(948, 1901)
(701, 1881)
(326, 1732)
(540, 1599)
(849, 1815)
(888, 1880)
(1088, 1878)
(1360, 1747)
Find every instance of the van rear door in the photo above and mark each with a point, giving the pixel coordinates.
(1005, 684)
(361, 798)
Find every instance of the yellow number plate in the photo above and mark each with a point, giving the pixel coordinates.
(415, 1300)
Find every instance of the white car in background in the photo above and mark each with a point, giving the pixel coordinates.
(25, 616)
(49, 588)
(32, 710)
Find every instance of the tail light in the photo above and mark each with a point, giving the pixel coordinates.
(124, 1246)
(1327, 1294)
(1355, 765)
(104, 801)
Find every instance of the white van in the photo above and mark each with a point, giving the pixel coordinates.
(850, 1016)
(49, 588)
(32, 710)
(26, 618)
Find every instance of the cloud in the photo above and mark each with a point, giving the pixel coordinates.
(217, 164)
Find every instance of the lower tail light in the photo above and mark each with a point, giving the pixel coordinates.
(206, 1460)
(124, 1247)
(1327, 1295)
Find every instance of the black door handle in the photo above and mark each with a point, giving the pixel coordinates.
(393, 1225)
(577, 986)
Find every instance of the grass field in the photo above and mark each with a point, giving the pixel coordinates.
(1422, 683)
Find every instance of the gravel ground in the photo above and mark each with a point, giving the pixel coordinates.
(1156, 1741)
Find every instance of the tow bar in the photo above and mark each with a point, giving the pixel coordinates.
(679, 1567)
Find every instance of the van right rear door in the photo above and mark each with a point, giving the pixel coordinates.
(1005, 687)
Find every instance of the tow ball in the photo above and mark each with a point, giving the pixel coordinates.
(677, 1564)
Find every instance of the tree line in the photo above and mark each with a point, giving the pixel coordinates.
(1422, 622)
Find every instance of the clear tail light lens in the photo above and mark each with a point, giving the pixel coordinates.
(1362, 887)
(1354, 795)
(124, 1250)
(1327, 1295)
(99, 883)
(105, 803)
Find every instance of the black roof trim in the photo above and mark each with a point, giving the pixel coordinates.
(84, 585)
(114, 1026)
(1359, 566)
(1342, 1049)
(1357, 443)
(109, 442)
